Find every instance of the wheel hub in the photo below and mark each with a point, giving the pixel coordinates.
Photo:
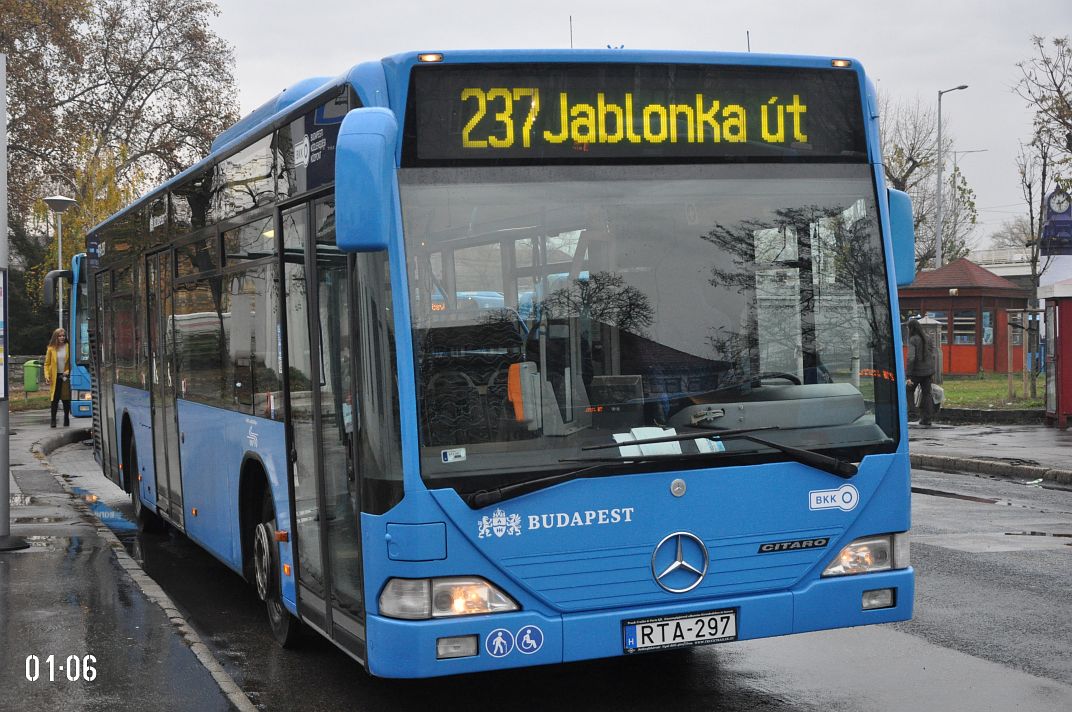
(262, 560)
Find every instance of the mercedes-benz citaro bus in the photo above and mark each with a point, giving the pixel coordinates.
(475, 360)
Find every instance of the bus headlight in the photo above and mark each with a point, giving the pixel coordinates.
(870, 554)
(420, 599)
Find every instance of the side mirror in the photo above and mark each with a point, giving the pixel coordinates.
(365, 180)
(903, 236)
(50, 284)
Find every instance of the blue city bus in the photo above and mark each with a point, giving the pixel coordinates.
(485, 359)
(77, 332)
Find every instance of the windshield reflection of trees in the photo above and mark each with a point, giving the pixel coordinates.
(838, 302)
(807, 304)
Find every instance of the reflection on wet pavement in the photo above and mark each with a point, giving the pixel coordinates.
(109, 517)
(66, 597)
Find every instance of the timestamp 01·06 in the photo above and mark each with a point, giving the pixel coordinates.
(74, 668)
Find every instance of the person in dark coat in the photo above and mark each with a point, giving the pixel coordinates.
(920, 370)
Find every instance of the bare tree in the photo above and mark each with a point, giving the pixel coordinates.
(1015, 233)
(1046, 85)
(1034, 165)
(910, 157)
(161, 84)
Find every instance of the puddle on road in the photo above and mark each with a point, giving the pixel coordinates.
(131, 541)
(72, 545)
(39, 520)
(1046, 534)
(21, 500)
(965, 497)
(992, 500)
(109, 517)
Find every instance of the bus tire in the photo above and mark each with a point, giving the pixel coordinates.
(285, 627)
(146, 519)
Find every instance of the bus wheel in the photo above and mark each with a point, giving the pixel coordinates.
(285, 627)
(146, 519)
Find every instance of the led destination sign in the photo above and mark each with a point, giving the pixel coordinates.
(588, 112)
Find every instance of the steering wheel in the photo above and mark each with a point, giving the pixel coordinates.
(774, 374)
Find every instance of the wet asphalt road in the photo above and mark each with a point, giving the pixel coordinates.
(992, 631)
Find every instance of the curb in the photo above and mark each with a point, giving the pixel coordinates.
(54, 441)
(150, 588)
(991, 467)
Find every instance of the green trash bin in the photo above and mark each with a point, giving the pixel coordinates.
(31, 375)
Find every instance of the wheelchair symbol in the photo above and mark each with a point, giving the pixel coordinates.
(529, 639)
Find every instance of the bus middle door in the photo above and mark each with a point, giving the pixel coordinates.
(161, 375)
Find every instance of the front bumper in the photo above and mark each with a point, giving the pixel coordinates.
(407, 649)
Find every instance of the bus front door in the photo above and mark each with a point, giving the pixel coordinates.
(161, 373)
(320, 383)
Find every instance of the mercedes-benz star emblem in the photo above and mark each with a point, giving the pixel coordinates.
(687, 567)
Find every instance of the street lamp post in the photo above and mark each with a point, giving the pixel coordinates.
(59, 204)
(938, 220)
(961, 153)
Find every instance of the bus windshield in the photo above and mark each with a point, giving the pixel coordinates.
(558, 307)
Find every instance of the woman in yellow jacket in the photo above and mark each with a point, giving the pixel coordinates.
(58, 374)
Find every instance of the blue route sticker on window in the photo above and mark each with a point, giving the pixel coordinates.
(456, 454)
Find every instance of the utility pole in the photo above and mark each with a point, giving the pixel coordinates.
(7, 542)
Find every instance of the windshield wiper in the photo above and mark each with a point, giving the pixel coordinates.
(483, 498)
(842, 468)
(833, 465)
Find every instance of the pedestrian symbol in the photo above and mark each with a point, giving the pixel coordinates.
(499, 643)
(529, 639)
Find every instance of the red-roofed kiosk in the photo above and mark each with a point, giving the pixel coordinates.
(971, 304)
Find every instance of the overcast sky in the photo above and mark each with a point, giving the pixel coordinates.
(910, 47)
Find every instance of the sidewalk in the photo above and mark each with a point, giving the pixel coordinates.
(76, 595)
(1034, 452)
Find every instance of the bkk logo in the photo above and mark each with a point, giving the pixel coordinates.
(302, 151)
(844, 498)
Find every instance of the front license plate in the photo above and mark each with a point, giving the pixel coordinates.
(680, 631)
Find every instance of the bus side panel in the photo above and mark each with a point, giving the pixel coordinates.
(270, 448)
(135, 404)
(213, 445)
